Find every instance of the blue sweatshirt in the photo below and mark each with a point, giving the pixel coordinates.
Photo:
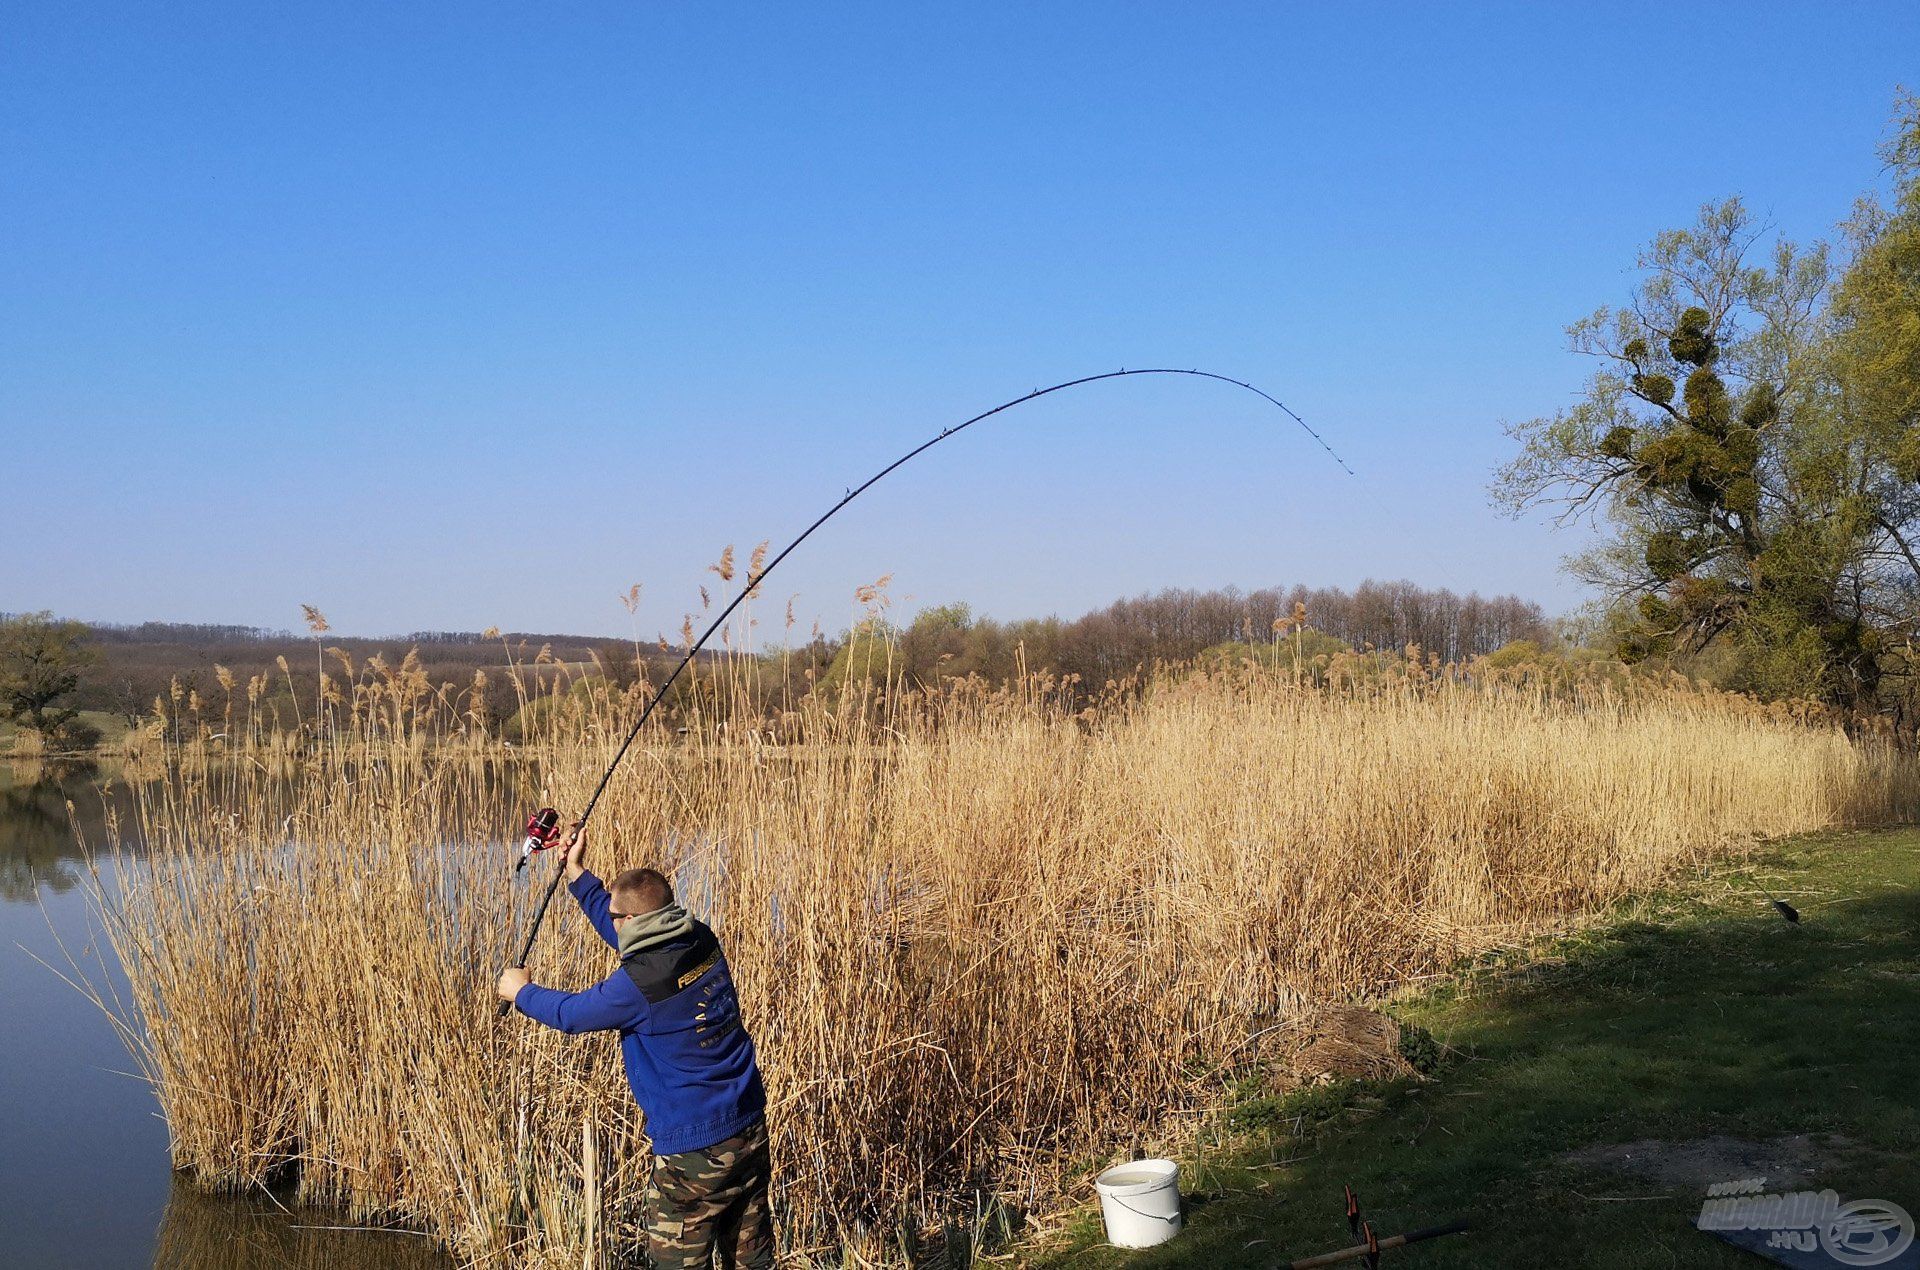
(689, 1060)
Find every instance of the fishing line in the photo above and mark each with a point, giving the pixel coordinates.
(754, 579)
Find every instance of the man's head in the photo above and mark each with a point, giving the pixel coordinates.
(638, 892)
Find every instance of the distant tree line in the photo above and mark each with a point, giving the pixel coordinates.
(139, 662)
(1177, 625)
(128, 667)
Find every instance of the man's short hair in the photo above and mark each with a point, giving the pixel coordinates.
(641, 891)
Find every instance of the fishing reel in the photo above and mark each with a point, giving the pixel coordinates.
(543, 831)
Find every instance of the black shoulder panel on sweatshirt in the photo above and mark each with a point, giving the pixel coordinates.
(670, 969)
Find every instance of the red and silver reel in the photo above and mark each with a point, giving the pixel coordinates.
(543, 831)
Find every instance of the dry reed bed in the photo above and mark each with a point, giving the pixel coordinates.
(976, 940)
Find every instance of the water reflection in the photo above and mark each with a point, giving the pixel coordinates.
(37, 843)
(83, 1154)
(209, 1232)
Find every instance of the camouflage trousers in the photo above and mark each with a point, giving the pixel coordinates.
(711, 1204)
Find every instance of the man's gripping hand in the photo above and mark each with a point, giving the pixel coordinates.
(576, 852)
(512, 979)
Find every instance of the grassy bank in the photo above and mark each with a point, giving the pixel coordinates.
(26, 743)
(1597, 1084)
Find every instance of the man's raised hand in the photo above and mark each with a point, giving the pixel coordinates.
(576, 852)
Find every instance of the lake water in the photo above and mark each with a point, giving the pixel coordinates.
(84, 1175)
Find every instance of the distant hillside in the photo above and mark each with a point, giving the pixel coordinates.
(140, 662)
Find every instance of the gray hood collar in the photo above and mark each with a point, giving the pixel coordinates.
(662, 926)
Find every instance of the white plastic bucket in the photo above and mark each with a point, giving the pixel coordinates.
(1141, 1202)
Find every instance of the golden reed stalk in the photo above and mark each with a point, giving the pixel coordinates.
(979, 936)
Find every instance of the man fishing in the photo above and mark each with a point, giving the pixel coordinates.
(689, 1062)
(688, 1058)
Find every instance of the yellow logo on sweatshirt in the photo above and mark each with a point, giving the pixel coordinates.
(699, 970)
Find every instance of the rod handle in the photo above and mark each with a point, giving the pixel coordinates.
(533, 928)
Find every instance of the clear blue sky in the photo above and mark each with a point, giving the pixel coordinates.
(455, 315)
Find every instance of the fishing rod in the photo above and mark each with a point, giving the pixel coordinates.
(543, 830)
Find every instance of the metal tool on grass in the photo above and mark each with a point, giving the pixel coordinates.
(754, 580)
(1371, 1245)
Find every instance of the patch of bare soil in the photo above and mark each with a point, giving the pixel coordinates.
(1785, 1163)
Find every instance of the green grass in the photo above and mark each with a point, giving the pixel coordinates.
(1689, 1014)
(113, 730)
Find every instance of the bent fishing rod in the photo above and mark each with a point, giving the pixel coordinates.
(543, 830)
